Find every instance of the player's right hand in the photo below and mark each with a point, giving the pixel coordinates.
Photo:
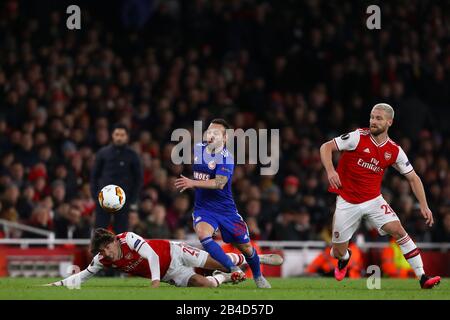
(155, 283)
(335, 181)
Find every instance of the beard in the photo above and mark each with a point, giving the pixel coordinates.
(376, 131)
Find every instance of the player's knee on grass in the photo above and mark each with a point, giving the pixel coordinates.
(199, 281)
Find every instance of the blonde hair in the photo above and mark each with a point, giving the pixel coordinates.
(386, 108)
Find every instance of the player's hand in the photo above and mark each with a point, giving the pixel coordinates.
(335, 181)
(428, 215)
(53, 284)
(184, 183)
(155, 283)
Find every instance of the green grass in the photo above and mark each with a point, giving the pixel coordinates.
(282, 289)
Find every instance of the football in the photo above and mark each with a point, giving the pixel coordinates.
(111, 198)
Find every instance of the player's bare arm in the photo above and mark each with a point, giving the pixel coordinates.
(184, 183)
(419, 192)
(326, 156)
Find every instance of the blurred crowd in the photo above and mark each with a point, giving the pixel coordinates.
(310, 68)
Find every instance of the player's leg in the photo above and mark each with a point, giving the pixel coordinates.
(239, 260)
(204, 226)
(181, 271)
(213, 281)
(253, 261)
(212, 264)
(346, 220)
(234, 230)
(410, 252)
(191, 257)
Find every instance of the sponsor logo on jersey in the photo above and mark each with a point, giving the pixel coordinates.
(198, 219)
(387, 155)
(225, 169)
(133, 265)
(369, 165)
(211, 165)
(336, 234)
(129, 256)
(201, 176)
(407, 163)
(366, 150)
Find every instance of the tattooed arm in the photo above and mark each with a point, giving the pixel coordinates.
(218, 182)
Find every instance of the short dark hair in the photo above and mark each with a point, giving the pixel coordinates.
(101, 238)
(221, 122)
(120, 126)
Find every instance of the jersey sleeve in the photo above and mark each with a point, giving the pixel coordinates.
(94, 267)
(225, 169)
(348, 141)
(402, 163)
(138, 244)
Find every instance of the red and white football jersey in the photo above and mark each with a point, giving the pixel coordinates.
(363, 163)
(132, 262)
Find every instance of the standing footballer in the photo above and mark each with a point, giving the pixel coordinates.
(214, 207)
(367, 153)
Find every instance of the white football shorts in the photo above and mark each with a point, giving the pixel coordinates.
(348, 216)
(184, 259)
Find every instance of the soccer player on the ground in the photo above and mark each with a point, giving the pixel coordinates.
(159, 260)
(214, 206)
(367, 153)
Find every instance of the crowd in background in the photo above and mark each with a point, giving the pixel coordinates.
(311, 69)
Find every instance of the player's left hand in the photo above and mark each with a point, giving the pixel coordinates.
(184, 183)
(428, 215)
(155, 283)
(53, 284)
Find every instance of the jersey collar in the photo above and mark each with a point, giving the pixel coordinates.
(379, 144)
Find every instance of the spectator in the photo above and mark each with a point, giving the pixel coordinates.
(157, 227)
(290, 198)
(178, 215)
(41, 219)
(117, 164)
(135, 224)
(69, 223)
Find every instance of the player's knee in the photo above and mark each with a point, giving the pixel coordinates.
(398, 233)
(246, 249)
(199, 282)
(202, 234)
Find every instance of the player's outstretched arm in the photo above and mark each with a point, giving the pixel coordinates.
(72, 280)
(326, 156)
(419, 192)
(184, 183)
(80, 277)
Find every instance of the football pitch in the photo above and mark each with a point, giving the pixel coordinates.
(282, 289)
